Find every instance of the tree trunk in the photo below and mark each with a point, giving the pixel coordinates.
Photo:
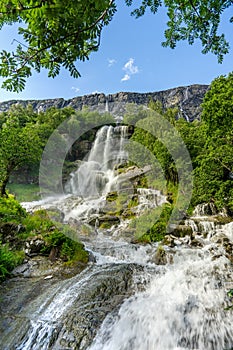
(3, 186)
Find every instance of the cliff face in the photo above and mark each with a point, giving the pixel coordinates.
(187, 99)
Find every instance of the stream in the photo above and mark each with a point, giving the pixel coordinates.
(130, 296)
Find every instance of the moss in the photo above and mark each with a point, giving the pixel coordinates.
(142, 182)
(127, 214)
(112, 196)
(223, 219)
(106, 225)
(133, 202)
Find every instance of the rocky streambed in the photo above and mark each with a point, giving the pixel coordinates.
(128, 289)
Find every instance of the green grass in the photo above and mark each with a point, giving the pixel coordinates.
(24, 192)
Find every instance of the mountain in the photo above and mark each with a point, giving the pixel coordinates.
(186, 98)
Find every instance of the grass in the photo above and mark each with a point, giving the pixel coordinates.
(24, 192)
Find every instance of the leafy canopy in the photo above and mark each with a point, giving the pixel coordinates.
(57, 33)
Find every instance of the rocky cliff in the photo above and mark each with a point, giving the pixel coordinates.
(187, 99)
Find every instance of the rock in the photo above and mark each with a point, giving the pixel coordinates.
(205, 209)
(169, 240)
(106, 292)
(9, 233)
(105, 221)
(182, 230)
(111, 196)
(40, 266)
(187, 98)
(160, 257)
(34, 245)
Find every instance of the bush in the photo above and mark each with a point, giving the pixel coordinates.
(11, 210)
(9, 260)
(39, 223)
(151, 226)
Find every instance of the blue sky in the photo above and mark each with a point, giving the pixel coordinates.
(130, 58)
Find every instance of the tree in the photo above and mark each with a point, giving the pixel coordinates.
(19, 144)
(214, 171)
(57, 33)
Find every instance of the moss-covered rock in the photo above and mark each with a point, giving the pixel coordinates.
(182, 230)
(111, 196)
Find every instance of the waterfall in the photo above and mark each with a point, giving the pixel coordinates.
(125, 299)
(181, 309)
(106, 105)
(95, 175)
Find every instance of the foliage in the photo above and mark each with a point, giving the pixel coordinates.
(24, 133)
(8, 260)
(152, 225)
(191, 20)
(37, 224)
(214, 170)
(20, 142)
(57, 33)
(11, 210)
(55, 235)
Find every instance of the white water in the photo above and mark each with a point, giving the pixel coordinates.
(182, 307)
(96, 175)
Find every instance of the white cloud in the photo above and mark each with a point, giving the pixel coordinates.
(95, 92)
(125, 77)
(111, 62)
(130, 69)
(76, 89)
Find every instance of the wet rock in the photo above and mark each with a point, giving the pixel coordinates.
(105, 221)
(205, 209)
(107, 291)
(160, 257)
(169, 240)
(182, 230)
(34, 245)
(196, 242)
(222, 240)
(41, 266)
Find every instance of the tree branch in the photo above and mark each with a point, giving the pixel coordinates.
(62, 39)
(23, 8)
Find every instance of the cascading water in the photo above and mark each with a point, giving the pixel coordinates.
(95, 176)
(182, 308)
(140, 304)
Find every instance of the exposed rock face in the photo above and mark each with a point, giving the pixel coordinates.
(187, 99)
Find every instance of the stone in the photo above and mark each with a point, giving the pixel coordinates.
(187, 98)
(182, 230)
(33, 245)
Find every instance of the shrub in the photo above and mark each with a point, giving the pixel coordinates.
(9, 260)
(11, 210)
